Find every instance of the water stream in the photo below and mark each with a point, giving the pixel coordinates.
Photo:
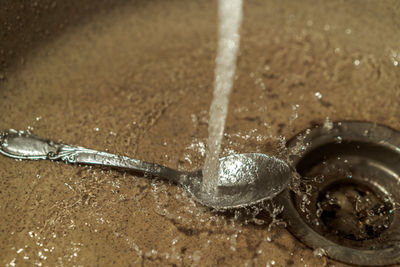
(230, 16)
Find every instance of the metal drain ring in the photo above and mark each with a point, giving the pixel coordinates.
(384, 146)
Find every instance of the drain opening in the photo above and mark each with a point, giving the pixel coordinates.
(354, 211)
(351, 206)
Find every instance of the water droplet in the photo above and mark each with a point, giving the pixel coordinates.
(319, 252)
(328, 124)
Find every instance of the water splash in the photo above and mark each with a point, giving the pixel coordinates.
(230, 16)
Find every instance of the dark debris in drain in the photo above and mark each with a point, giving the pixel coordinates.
(354, 211)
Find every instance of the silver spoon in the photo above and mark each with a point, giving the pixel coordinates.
(245, 179)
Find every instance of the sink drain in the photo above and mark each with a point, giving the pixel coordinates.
(352, 211)
(347, 198)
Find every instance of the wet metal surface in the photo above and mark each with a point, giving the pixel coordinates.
(244, 179)
(353, 213)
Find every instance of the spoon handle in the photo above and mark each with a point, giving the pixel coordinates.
(24, 145)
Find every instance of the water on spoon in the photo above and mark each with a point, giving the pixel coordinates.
(230, 15)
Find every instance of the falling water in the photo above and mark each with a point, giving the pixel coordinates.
(230, 16)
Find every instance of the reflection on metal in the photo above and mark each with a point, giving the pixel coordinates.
(245, 179)
(353, 213)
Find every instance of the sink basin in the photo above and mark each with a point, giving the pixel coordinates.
(135, 78)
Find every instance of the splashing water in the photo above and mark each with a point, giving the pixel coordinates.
(230, 16)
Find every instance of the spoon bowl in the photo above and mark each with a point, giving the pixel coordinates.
(244, 179)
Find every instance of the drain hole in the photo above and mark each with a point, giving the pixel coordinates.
(353, 211)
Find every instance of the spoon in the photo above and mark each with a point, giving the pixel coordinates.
(244, 179)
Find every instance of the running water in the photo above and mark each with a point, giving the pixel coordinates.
(230, 16)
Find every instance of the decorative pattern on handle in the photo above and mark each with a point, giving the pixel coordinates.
(25, 145)
(69, 154)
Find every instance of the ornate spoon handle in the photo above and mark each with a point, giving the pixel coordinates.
(24, 145)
